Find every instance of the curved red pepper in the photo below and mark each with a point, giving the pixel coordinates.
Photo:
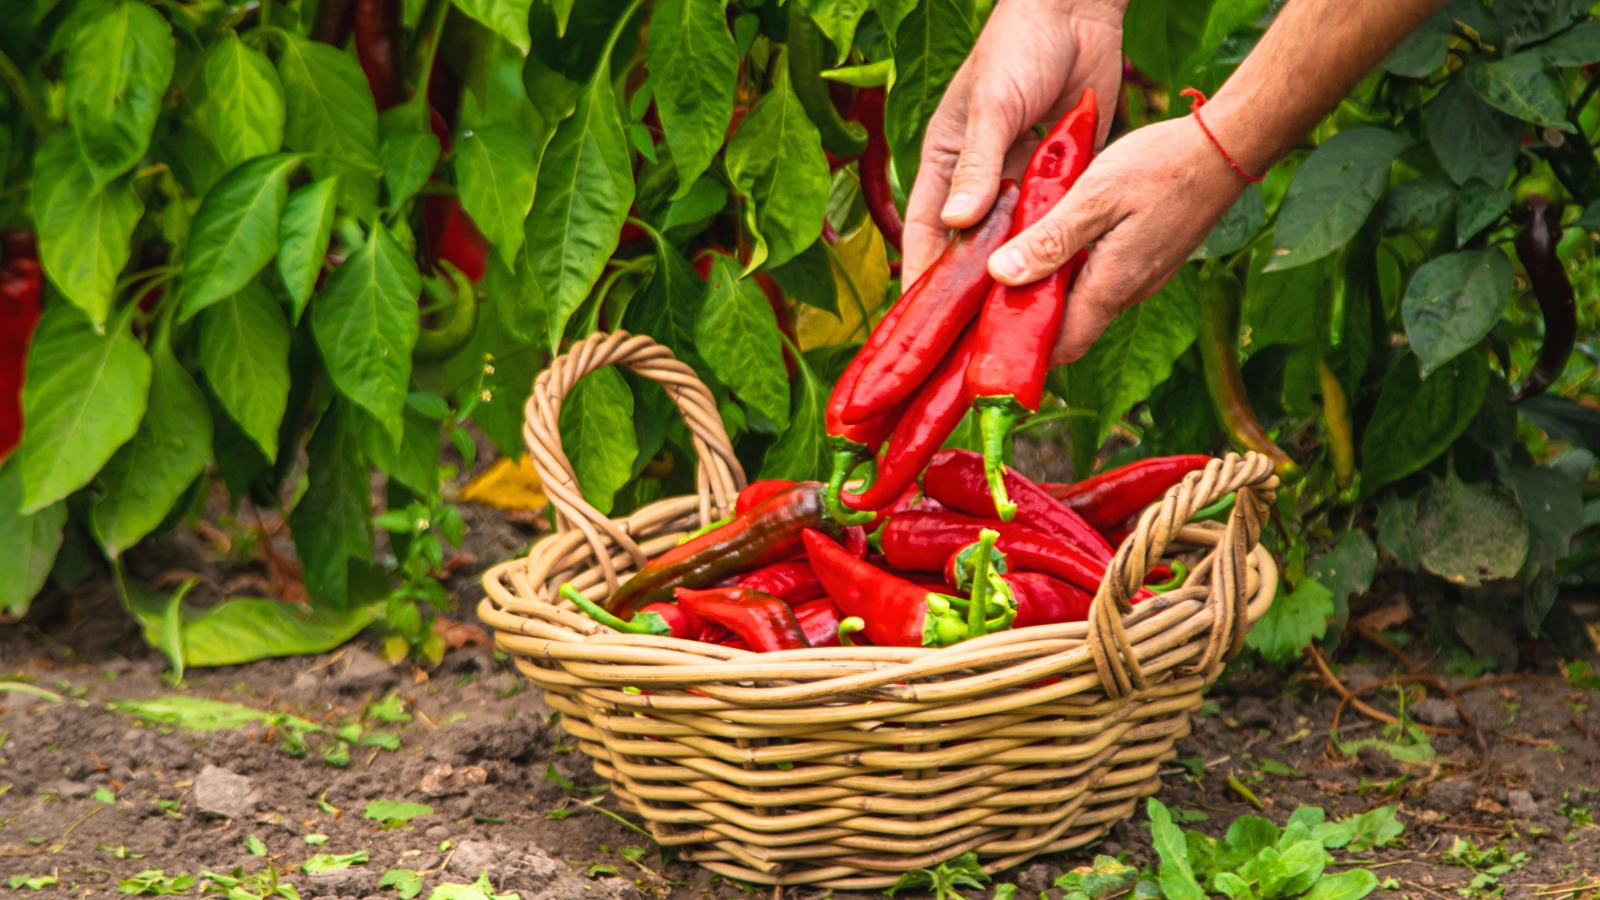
(935, 316)
(876, 192)
(820, 620)
(854, 442)
(956, 478)
(897, 613)
(758, 492)
(1109, 499)
(934, 413)
(1043, 600)
(792, 582)
(760, 620)
(381, 46)
(1018, 327)
(21, 281)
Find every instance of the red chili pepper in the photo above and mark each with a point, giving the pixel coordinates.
(935, 411)
(823, 623)
(380, 45)
(1536, 246)
(454, 237)
(1018, 327)
(760, 620)
(854, 539)
(876, 192)
(950, 296)
(767, 534)
(758, 492)
(1040, 599)
(896, 612)
(21, 281)
(1109, 499)
(792, 582)
(925, 541)
(956, 478)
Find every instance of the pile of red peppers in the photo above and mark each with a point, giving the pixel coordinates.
(935, 566)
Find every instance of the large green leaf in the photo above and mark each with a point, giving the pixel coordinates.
(496, 172)
(1470, 532)
(1417, 419)
(242, 113)
(84, 231)
(1526, 21)
(235, 231)
(1280, 307)
(1294, 620)
(117, 71)
(365, 320)
(330, 111)
(670, 306)
(407, 157)
(1332, 193)
(415, 463)
(1416, 204)
(304, 229)
(838, 20)
(244, 348)
(1579, 46)
(584, 191)
(597, 435)
(739, 339)
(1348, 568)
(929, 46)
(891, 13)
(145, 478)
(801, 452)
(160, 617)
(31, 541)
(247, 629)
(1160, 36)
(83, 398)
(1137, 350)
(1526, 86)
(332, 522)
(1237, 227)
(1470, 137)
(775, 160)
(693, 68)
(1453, 302)
(507, 18)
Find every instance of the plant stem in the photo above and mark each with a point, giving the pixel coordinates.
(18, 84)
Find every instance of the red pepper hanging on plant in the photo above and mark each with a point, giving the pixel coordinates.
(1219, 355)
(381, 47)
(1018, 327)
(1536, 248)
(809, 51)
(21, 280)
(876, 192)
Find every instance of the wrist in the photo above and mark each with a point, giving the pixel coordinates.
(1239, 138)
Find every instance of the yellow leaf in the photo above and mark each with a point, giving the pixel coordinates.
(507, 485)
(861, 273)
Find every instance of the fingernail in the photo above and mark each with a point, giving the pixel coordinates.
(1008, 263)
(958, 205)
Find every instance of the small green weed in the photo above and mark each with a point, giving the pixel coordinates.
(943, 879)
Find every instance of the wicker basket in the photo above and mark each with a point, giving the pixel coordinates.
(844, 767)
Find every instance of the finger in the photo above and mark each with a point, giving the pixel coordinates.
(1114, 278)
(994, 120)
(925, 233)
(1045, 246)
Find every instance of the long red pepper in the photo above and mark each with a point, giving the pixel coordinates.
(758, 492)
(380, 45)
(934, 317)
(21, 281)
(896, 612)
(1107, 500)
(760, 620)
(873, 168)
(1040, 599)
(924, 541)
(957, 479)
(792, 582)
(933, 414)
(1018, 327)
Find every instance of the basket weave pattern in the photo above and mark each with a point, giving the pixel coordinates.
(843, 767)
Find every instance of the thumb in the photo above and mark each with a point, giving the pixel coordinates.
(975, 179)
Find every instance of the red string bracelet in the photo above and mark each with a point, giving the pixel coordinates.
(1199, 101)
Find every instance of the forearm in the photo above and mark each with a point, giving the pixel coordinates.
(1309, 59)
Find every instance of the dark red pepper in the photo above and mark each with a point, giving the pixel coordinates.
(758, 492)
(1536, 247)
(760, 620)
(950, 296)
(823, 624)
(454, 237)
(793, 582)
(896, 612)
(21, 281)
(1018, 327)
(876, 192)
(381, 46)
(957, 479)
(1109, 499)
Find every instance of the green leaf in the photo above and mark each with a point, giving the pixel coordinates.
(1177, 879)
(694, 210)
(1468, 533)
(1526, 21)
(395, 811)
(415, 463)
(597, 434)
(1416, 204)
(584, 190)
(1453, 302)
(1280, 306)
(693, 68)
(507, 18)
(242, 113)
(246, 629)
(407, 157)
(1579, 46)
(1136, 351)
(255, 846)
(329, 110)
(1423, 51)
(739, 338)
(775, 160)
(838, 20)
(496, 171)
(365, 321)
(235, 231)
(929, 46)
(332, 522)
(117, 72)
(891, 13)
(1526, 86)
(670, 306)
(1396, 524)
(145, 478)
(1159, 36)
(809, 279)
(1470, 137)
(406, 882)
(84, 232)
(329, 862)
(304, 229)
(244, 349)
(1477, 207)
(1294, 620)
(1332, 193)
(160, 616)
(1237, 227)
(1348, 568)
(82, 399)
(31, 541)
(1373, 828)
(1416, 418)
(1350, 885)
(1105, 877)
(801, 452)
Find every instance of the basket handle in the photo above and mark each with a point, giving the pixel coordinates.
(1252, 481)
(718, 476)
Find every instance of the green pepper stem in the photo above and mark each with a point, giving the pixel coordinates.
(980, 582)
(643, 623)
(1180, 573)
(845, 460)
(996, 415)
(848, 627)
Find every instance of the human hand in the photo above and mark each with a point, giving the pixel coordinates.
(1030, 64)
(1145, 204)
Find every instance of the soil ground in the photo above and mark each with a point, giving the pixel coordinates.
(90, 796)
